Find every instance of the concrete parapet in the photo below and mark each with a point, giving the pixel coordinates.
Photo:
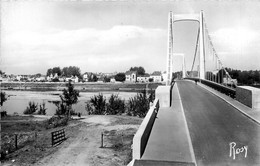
(163, 93)
(248, 96)
(142, 135)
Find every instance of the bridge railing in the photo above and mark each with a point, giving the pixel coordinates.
(221, 88)
(142, 135)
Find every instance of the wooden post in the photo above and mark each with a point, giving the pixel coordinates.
(15, 141)
(101, 140)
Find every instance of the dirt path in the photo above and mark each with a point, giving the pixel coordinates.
(84, 147)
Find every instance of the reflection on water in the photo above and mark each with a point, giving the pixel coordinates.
(18, 100)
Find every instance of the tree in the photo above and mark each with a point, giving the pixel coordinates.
(92, 78)
(71, 71)
(56, 70)
(120, 77)
(106, 79)
(3, 98)
(53, 71)
(1, 72)
(49, 72)
(257, 76)
(38, 75)
(140, 70)
(69, 97)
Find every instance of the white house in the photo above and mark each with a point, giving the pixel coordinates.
(143, 78)
(156, 76)
(73, 79)
(131, 76)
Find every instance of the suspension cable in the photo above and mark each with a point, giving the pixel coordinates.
(196, 48)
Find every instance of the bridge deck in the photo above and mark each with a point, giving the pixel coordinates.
(213, 125)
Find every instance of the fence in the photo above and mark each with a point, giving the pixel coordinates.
(110, 134)
(57, 137)
(221, 88)
(13, 142)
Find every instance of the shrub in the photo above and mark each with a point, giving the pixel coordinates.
(3, 113)
(3, 98)
(32, 108)
(97, 105)
(54, 122)
(115, 105)
(62, 108)
(120, 77)
(42, 110)
(138, 105)
(151, 95)
(69, 97)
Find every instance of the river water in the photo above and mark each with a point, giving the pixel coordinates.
(18, 100)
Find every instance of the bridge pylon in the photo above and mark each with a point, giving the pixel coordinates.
(173, 18)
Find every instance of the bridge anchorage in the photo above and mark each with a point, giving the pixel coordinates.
(210, 67)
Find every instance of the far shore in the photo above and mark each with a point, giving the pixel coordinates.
(82, 87)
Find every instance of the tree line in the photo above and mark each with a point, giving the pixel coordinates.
(246, 77)
(66, 71)
(251, 77)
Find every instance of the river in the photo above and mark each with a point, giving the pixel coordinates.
(18, 100)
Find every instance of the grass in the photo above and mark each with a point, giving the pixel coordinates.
(121, 144)
(31, 149)
(34, 140)
(16, 118)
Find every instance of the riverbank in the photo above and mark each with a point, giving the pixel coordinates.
(82, 146)
(82, 87)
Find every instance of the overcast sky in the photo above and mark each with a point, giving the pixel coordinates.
(109, 36)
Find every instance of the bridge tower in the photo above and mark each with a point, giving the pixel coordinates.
(185, 17)
(183, 67)
(169, 50)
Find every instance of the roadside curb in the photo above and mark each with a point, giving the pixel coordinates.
(233, 105)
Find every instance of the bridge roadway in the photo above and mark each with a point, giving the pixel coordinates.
(213, 125)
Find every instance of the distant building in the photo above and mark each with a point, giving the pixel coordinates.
(113, 80)
(72, 78)
(156, 76)
(40, 79)
(86, 76)
(143, 78)
(131, 76)
(62, 79)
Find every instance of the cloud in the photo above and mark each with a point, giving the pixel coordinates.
(85, 46)
(235, 39)
(61, 38)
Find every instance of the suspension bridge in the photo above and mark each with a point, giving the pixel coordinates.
(203, 118)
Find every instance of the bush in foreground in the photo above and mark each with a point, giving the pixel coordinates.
(115, 105)
(32, 108)
(42, 110)
(97, 105)
(136, 106)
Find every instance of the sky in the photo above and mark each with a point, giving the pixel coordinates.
(114, 35)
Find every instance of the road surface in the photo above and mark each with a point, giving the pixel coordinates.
(217, 129)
